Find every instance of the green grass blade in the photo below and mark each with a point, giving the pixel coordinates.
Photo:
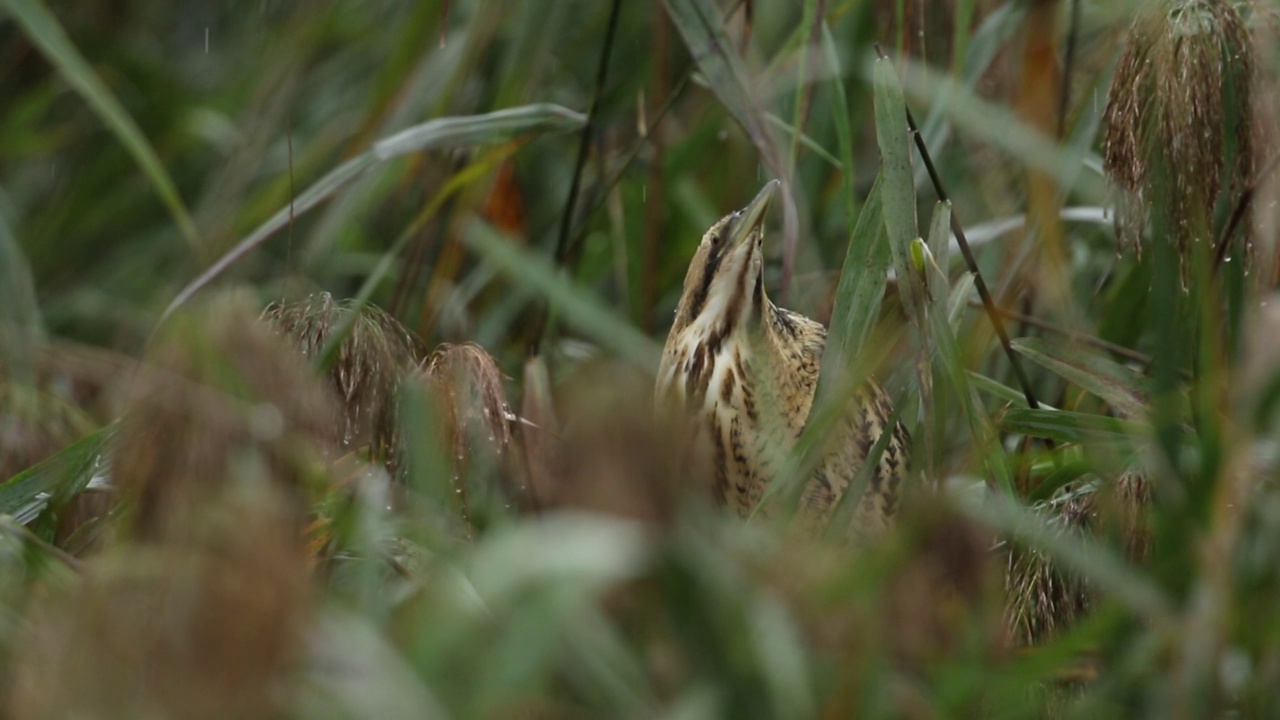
(42, 28)
(961, 291)
(898, 188)
(576, 306)
(489, 128)
(321, 190)
(20, 324)
(939, 241)
(592, 551)
(803, 139)
(860, 288)
(1122, 388)
(998, 126)
(858, 295)
(62, 476)
(1000, 391)
(1069, 472)
(900, 224)
(1071, 427)
(859, 292)
(699, 23)
(782, 658)
(948, 362)
(478, 168)
(844, 133)
(935, 261)
(702, 28)
(357, 671)
(807, 21)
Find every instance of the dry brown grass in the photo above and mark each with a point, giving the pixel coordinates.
(200, 606)
(1182, 87)
(376, 354)
(473, 422)
(1043, 598)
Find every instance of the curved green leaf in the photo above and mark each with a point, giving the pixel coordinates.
(491, 127)
(58, 478)
(702, 28)
(20, 324)
(576, 306)
(1122, 388)
(898, 189)
(42, 28)
(1071, 427)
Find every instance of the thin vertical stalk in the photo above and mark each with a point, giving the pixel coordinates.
(563, 256)
(988, 304)
(654, 194)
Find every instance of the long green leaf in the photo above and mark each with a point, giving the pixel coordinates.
(474, 170)
(486, 129)
(60, 477)
(592, 551)
(800, 138)
(576, 306)
(1000, 391)
(699, 23)
(865, 270)
(356, 671)
(42, 28)
(858, 294)
(844, 133)
(702, 28)
(809, 20)
(492, 127)
(898, 189)
(937, 284)
(961, 291)
(1069, 472)
(928, 309)
(998, 126)
(1071, 427)
(20, 324)
(948, 362)
(1122, 388)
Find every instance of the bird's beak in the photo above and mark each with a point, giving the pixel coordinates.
(751, 217)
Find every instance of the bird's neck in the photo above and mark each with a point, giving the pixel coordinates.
(770, 332)
(788, 350)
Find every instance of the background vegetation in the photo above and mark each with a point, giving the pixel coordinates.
(328, 331)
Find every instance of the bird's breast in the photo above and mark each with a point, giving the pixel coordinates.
(741, 426)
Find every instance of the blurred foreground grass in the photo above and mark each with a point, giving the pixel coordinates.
(328, 332)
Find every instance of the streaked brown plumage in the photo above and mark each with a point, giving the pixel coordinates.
(746, 370)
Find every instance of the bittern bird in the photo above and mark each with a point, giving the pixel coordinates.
(745, 372)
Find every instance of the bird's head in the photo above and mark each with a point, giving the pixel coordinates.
(724, 288)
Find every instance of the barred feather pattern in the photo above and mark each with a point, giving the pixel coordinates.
(745, 372)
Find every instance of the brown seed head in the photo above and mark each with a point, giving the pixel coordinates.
(1179, 117)
(373, 358)
(221, 404)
